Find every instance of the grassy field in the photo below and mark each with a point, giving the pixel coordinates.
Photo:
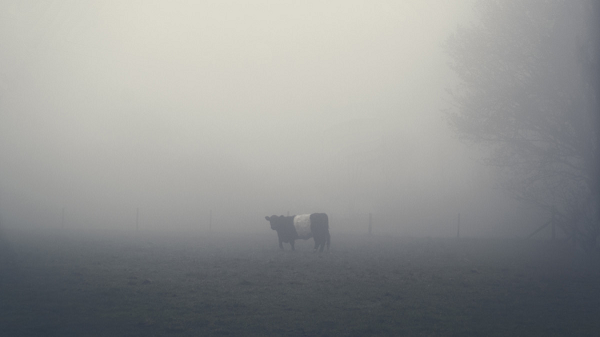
(146, 284)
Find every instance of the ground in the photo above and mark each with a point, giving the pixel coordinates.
(145, 284)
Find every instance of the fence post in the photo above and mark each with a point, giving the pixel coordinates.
(553, 223)
(458, 227)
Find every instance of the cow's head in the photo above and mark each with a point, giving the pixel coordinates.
(274, 220)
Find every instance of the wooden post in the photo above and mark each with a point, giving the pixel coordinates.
(458, 227)
(552, 219)
(370, 224)
(62, 225)
(137, 218)
(210, 221)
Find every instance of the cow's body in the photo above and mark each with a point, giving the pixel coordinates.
(305, 226)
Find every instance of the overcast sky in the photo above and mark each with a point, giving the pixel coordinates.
(246, 108)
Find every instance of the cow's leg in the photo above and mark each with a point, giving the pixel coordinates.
(292, 243)
(280, 244)
(319, 243)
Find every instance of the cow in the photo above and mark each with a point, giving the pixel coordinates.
(305, 226)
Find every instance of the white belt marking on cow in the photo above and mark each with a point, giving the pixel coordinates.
(302, 224)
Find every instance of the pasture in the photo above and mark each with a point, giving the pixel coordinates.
(157, 284)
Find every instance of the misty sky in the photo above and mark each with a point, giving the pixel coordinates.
(245, 108)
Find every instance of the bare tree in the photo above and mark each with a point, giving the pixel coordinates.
(528, 93)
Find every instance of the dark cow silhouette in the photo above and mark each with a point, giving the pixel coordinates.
(305, 226)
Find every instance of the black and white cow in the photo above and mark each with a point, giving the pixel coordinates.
(305, 226)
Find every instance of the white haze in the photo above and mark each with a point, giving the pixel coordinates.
(239, 108)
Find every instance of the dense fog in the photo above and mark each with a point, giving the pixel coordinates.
(184, 115)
